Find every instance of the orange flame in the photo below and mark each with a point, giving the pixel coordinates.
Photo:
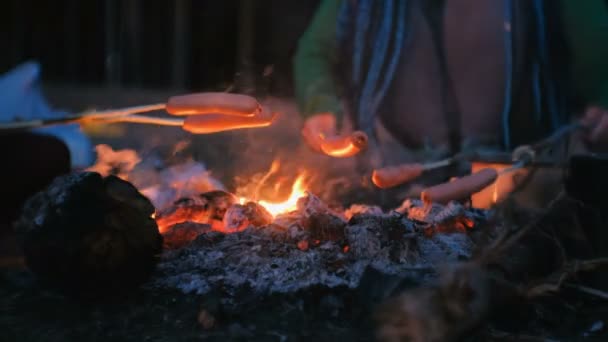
(297, 191)
(276, 208)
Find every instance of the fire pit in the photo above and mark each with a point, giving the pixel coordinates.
(444, 266)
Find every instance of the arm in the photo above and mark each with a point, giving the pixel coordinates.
(586, 27)
(316, 91)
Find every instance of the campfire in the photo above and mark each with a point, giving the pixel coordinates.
(276, 237)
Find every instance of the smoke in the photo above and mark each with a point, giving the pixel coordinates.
(170, 164)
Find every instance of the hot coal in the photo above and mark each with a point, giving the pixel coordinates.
(311, 247)
(238, 217)
(90, 236)
(182, 234)
(205, 208)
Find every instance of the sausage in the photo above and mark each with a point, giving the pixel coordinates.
(344, 146)
(214, 103)
(460, 188)
(389, 177)
(212, 123)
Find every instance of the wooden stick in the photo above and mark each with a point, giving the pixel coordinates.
(90, 115)
(112, 113)
(142, 119)
(216, 105)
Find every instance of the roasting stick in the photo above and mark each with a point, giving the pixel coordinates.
(89, 115)
(223, 111)
(142, 119)
(392, 176)
(466, 186)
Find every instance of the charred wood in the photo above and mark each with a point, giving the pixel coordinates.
(90, 236)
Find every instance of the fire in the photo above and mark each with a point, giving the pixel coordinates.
(297, 191)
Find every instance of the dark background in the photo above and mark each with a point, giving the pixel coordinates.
(177, 44)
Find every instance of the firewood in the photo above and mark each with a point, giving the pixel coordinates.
(206, 208)
(239, 217)
(90, 236)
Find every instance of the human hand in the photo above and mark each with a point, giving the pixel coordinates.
(596, 118)
(317, 128)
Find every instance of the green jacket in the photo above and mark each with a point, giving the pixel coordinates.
(585, 25)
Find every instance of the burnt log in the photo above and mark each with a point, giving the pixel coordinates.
(90, 236)
(206, 208)
(325, 227)
(239, 217)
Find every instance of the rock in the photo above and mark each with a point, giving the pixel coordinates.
(90, 236)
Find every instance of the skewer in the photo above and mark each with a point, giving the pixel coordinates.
(89, 115)
(207, 113)
(392, 176)
(142, 119)
(396, 175)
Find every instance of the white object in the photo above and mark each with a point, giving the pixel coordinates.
(21, 99)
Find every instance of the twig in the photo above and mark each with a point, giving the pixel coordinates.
(588, 290)
(566, 272)
(90, 115)
(518, 337)
(142, 119)
(506, 241)
(114, 113)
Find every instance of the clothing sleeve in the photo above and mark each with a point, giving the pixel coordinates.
(314, 61)
(586, 27)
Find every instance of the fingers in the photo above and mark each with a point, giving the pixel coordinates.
(316, 128)
(599, 134)
(592, 115)
(597, 119)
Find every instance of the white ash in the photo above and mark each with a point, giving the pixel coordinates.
(356, 209)
(437, 213)
(267, 260)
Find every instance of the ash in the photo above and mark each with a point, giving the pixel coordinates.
(315, 246)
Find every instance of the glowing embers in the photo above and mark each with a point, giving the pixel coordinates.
(224, 212)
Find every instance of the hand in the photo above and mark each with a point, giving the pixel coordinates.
(317, 127)
(597, 120)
